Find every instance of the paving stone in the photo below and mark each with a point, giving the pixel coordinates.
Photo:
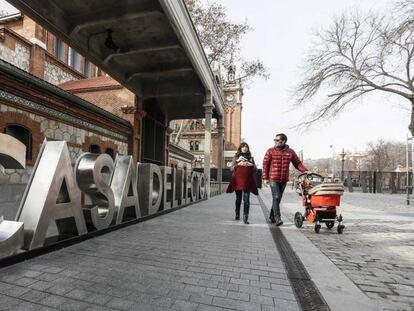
(121, 304)
(183, 305)
(34, 296)
(6, 302)
(208, 308)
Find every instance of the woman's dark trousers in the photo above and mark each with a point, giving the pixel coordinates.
(245, 195)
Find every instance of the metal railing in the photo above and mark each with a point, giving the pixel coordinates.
(217, 188)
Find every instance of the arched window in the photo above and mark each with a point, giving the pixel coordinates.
(22, 134)
(191, 145)
(197, 145)
(111, 152)
(95, 148)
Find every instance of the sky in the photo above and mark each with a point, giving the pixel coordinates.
(281, 37)
(283, 33)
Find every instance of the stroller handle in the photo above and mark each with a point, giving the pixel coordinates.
(311, 175)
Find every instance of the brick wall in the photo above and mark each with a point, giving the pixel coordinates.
(14, 50)
(78, 139)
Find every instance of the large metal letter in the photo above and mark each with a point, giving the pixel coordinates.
(12, 152)
(187, 185)
(194, 186)
(51, 194)
(180, 186)
(124, 186)
(12, 155)
(11, 237)
(168, 193)
(93, 176)
(202, 186)
(149, 188)
(174, 188)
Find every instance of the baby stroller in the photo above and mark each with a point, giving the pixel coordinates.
(320, 200)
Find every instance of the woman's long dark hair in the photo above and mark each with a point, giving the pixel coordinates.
(239, 152)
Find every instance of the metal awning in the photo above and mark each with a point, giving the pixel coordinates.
(149, 46)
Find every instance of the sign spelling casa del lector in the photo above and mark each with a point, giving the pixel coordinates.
(115, 191)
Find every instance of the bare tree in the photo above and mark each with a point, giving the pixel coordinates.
(355, 56)
(406, 9)
(221, 39)
(385, 156)
(178, 126)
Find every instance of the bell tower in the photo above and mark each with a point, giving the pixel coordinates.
(233, 94)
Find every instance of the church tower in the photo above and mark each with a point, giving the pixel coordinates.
(233, 95)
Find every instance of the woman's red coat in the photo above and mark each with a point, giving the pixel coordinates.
(244, 178)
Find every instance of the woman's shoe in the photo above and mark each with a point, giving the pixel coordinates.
(245, 217)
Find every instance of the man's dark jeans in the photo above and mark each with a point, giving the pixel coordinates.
(277, 193)
(246, 200)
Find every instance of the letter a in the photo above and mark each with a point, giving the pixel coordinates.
(124, 186)
(51, 194)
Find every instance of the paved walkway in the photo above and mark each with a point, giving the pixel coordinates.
(376, 251)
(197, 258)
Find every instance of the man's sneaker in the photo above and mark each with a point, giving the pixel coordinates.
(272, 219)
(279, 222)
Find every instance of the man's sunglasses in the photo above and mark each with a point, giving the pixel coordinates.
(278, 140)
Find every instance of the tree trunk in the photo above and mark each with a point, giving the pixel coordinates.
(411, 126)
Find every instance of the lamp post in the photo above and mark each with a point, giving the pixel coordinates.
(343, 154)
(333, 162)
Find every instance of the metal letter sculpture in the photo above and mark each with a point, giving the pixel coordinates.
(194, 186)
(202, 186)
(174, 188)
(93, 176)
(12, 152)
(12, 155)
(188, 186)
(149, 188)
(180, 186)
(51, 194)
(168, 193)
(124, 186)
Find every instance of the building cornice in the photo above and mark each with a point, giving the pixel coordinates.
(178, 14)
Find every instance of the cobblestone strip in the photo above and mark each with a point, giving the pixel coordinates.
(376, 250)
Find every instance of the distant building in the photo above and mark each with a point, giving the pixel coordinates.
(191, 132)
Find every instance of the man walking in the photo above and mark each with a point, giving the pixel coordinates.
(276, 170)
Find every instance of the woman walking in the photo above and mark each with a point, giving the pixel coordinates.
(243, 180)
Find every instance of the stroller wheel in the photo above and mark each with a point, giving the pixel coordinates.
(341, 229)
(298, 220)
(317, 228)
(330, 224)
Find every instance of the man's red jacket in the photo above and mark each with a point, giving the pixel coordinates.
(276, 163)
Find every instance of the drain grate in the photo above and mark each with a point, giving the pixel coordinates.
(305, 290)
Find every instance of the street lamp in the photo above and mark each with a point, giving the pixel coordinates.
(343, 154)
(333, 162)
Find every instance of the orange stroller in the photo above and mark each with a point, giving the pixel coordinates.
(320, 200)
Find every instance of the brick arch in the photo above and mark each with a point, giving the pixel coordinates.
(95, 140)
(14, 117)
